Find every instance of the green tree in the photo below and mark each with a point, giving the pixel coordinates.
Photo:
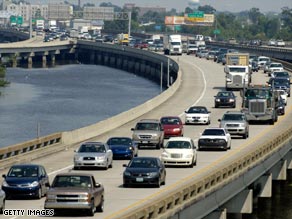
(207, 9)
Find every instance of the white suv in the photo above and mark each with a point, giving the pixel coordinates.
(179, 151)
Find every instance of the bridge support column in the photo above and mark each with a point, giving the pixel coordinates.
(241, 203)
(218, 214)
(92, 57)
(53, 60)
(279, 171)
(14, 62)
(264, 184)
(29, 62)
(289, 160)
(44, 58)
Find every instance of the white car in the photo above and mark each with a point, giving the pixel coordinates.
(272, 42)
(215, 138)
(179, 151)
(275, 66)
(197, 115)
(93, 154)
(280, 43)
(283, 95)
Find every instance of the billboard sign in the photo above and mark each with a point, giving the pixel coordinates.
(206, 20)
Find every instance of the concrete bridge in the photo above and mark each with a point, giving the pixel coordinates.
(229, 184)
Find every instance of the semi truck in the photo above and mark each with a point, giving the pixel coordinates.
(260, 103)
(172, 44)
(123, 39)
(238, 74)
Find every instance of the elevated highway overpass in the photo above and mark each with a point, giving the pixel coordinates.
(209, 190)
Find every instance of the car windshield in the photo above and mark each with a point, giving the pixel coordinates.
(281, 74)
(147, 126)
(72, 181)
(258, 93)
(237, 69)
(170, 121)
(224, 94)
(197, 110)
(178, 145)
(276, 65)
(24, 171)
(233, 117)
(119, 141)
(87, 148)
(280, 81)
(143, 163)
(214, 132)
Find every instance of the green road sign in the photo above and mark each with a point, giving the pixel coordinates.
(197, 14)
(217, 31)
(16, 20)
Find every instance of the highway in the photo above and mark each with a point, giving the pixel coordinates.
(201, 80)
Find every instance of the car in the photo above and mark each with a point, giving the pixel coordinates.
(47, 38)
(281, 74)
(210, 55)
(281, 106)
(93, 154)
(220, 57)
(99, 40)
(283, 95)
(179, 151)
(266, 66)
(2, 201)
(75, 191)
(261, 60)
(280, 43)
(122, 147)
(26, 180)
(197, 115)
(148, 132)
(63, 37)
(225, 99)
(144, 171)
(235, 123)
(254, 66)
(280, 84)
(202, 53)
(192, 49)
(272, 42)
(172, 126)
(214, 138)
(275, 66)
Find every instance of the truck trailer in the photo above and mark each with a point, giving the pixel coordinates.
(172, 44)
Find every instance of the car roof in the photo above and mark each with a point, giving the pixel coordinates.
(175, 117)
(215, 128)
(74, 174)
(150, 120)
(26, 165)
(233, 112)
(179, 139)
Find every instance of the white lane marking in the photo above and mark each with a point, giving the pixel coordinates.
(204, 90)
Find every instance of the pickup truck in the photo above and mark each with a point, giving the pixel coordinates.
(75, 191)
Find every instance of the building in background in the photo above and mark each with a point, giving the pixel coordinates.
(60, 12)
(144, 10)
(98, 13)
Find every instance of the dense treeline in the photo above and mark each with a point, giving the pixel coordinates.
(3, 82)
(246, 25)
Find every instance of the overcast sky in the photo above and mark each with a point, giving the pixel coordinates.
(180, 5)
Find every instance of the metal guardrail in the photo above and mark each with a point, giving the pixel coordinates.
(188, 193)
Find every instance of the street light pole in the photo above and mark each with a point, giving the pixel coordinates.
(129, 25)
(30, 22)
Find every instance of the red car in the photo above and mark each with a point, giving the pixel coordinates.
(172, 126)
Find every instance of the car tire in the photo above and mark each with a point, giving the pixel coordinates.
(125, 185)
(3, 207)
(192, 164)
(91, 211)
(111, 165)
(158, 183)
(100, 207)
(76, 168)
(245, 135)
(158, 146)
(39, 193)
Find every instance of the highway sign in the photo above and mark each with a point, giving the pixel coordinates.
(217, 31)
(196, 14)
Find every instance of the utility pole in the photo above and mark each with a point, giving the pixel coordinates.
(129, 27)
(30, 22)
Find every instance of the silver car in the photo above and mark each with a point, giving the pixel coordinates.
(235, 123)
(93, 154)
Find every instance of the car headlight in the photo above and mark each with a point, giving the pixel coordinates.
(76, 158)
(228, 79)
(176, 129)
(231, 100)
(126, 173)
(152, 174)
(241, 125)
(164, 155)
(5, 184)
(131, 148)
(34, 184)
(222, 141)
(100, 158)
(189, 155)
(217, 100)
(154, 135)
(205, 117)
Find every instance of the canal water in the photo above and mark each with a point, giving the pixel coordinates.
(41, 101)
